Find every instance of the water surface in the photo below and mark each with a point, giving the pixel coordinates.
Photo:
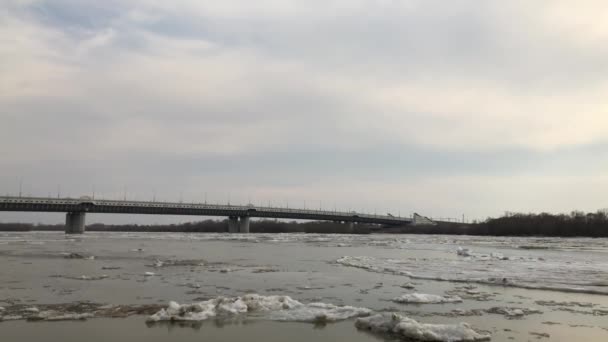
(563, 281)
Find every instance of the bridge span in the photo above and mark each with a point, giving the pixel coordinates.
(238, 215)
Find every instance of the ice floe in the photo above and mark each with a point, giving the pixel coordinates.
(513, 312)
(463, 251)
(540, 335)
(86, 277)
(422, 298)
(522, 272)
(566, 304)
(395, 325)
(78, 256)
(73, 311)
(265, 270)
(170, 262)
(111, 267)
(471, 292)
(59, 316)
(467, 252)
(279, 308)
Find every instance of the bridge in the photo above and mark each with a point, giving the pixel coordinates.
(238, 215)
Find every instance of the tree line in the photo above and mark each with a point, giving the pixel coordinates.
(576, 223)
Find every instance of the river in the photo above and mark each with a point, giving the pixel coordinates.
(118, 286)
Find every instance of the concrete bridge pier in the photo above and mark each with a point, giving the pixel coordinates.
(74, 222)
(244, 226)
(350, 227)
(233, 224)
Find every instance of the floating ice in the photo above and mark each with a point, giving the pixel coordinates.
(539, 335)
(463, 251)
(52, 315)
(165, 263)
(523, 272)
(471, 292)
(407, 328)
(74, 311)
(566, 304)
(279, 308)
(513, 312)
(319, 312)
(77, 256)
(421, 298)
(149, 274)
(86, 277)
(265, 270)
(69, 317)
(466, 252)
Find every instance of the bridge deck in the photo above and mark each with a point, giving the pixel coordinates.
(38, 204)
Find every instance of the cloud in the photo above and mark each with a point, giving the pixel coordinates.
(278, 96)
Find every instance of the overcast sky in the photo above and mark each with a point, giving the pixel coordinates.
(438, 107)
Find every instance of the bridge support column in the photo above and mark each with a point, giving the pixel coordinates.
(233, 224)
(74, 222)
(350, 227)
(244, 226)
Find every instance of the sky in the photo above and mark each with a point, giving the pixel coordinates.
(445, 108)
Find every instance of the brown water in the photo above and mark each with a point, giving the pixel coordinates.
(34, 271)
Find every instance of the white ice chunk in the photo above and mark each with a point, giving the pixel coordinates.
(422, 298)
(513, 312)
(52, 315)
(319, 312)
(463, 252)
(279, 308)
(410, 329)
(70, 317)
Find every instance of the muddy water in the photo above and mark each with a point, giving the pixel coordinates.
(131, 329)
(512, 288)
